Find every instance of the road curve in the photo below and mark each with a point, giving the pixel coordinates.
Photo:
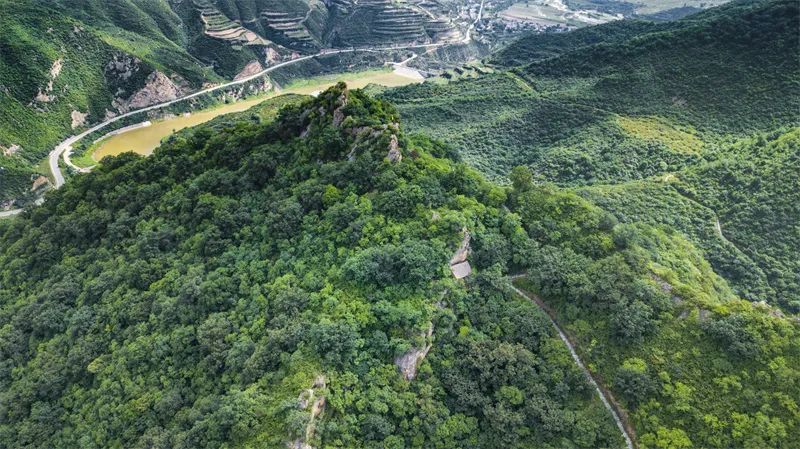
(64, 148)
(600, 392)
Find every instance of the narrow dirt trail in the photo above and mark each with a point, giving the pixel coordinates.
(717, 223)
(10, 213)
(603, 393)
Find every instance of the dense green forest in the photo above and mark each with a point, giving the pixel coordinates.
(617, 109)
(191, 298)
(285, 276)
(260, 281)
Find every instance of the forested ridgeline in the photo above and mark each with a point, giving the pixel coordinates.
(288, 281)
(276, 283)
(626, 111)
(731, 69)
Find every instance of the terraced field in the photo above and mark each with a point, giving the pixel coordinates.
(309, 25)
(295, 24)
(219, 26)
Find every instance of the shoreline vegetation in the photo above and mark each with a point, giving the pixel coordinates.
(144, 139)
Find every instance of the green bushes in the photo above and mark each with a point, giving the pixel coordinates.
(188, 299)
(692, 364)
(654, 123)
(414, 262)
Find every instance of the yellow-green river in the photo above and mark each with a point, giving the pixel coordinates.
(145, 140)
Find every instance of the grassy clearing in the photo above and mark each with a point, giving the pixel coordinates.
(658, 130)
(654, 6)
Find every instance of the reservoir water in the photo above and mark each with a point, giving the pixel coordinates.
(144, 140)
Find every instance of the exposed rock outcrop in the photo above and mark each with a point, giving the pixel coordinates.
(338, 113)
(408, 363)
(459, 265)
(463, 250)
(271, 56)
(10, 151)
(252, 68)
(39, 182)
(78, 119)
(666, 287)
(394, 155)
(122, 67)
(158, 89)
(315, 399)
(43, 96)
(126, 74)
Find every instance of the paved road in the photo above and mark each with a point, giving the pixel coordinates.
(468, 34)
(600, 392)
(64, 148)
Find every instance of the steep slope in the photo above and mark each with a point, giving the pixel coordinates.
(539, 46)
(713, 72)
(58, 74)
(740, 208)
(600, 108)
(291, 281)
(278, 283)
(693, 365)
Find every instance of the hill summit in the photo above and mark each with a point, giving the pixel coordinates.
(286, 283)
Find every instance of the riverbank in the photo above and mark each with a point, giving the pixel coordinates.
(144, 139)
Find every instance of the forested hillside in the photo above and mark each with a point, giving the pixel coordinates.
(345, 271)
(58, 74)
(539, 46)
(67, 64)
(288, 281)
(741, 208)
(623, 110)
(694, 366)
(280, 283)
(618, 104)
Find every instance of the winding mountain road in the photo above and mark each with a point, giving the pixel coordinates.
(65, 148)
(604, 395)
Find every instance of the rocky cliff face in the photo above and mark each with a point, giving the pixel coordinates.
(158, 88)
(249, 70)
